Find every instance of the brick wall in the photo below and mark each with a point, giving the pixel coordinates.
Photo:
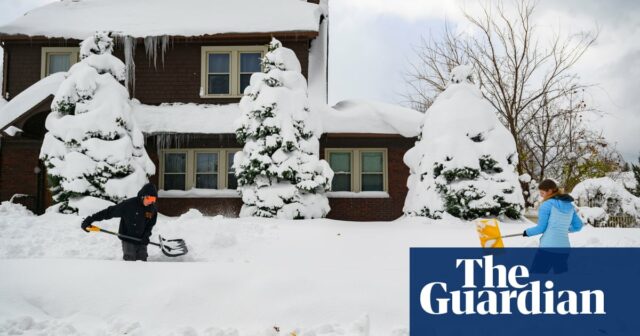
(177, 81)
(373, 209)
(358, 209)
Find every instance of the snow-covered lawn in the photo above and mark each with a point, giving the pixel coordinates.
(241, 276)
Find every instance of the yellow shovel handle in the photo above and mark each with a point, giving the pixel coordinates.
(93, 228)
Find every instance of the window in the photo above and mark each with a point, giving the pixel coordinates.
(175, 169)
(226, 71)
(340, 162)
(372, 171)
(219, 74)
(206, 168)
(58, 59)
(357, 170)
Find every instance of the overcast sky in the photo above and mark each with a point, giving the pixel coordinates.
(371, 46)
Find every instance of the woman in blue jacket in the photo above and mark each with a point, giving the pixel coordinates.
(556, 217)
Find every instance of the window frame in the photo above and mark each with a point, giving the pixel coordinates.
(234, 67)
(356, 166)
(74, 57)
(186, 168)
(191, 167)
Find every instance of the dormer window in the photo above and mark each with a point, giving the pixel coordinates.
(58, 59)
(226, 71)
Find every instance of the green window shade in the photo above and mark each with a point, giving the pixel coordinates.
(341, 165)
(207, 170)
(232, 181)
(372, 171)
(58, 63)
(175, 166)
(249, 63)
(340, 162)
(372, 162)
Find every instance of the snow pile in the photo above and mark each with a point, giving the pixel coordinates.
(346, 117)
(29, 98)
(10, 209)
(141, 18)
(354, 116)
(465, 162)
(594, 216)
(242, 276)
(186, 118)
(609, 195)
(626, 179)
(93, 150)
(278, 170)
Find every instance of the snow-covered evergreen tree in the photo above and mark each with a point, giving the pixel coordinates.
(278, 170)
(93, 150)
(464, 163)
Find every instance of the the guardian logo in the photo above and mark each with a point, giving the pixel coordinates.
(506, 291)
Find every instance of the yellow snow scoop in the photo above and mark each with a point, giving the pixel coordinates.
(489, 233)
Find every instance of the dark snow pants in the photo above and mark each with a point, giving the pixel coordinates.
(133, 252)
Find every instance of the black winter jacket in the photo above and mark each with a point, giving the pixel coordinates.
(136, 220)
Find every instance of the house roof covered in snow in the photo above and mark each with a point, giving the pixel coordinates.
(141, 18)
(29, 98)
(346, 117)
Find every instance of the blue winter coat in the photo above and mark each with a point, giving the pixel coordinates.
(556, 218)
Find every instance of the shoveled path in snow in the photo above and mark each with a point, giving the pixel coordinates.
(241, 275)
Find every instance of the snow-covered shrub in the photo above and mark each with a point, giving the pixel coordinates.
(278, 170)
(593, 215)
(609, 195)
(465, 162)
(93, 150)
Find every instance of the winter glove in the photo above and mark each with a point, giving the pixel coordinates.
(85, 224)
(524, 234)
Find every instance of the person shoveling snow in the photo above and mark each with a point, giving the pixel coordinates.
(137, 216)
(557, 217)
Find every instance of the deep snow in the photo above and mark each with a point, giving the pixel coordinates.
(241, 276)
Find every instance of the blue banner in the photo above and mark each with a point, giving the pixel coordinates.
(525, 291)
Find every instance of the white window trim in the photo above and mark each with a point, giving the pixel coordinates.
(356, 170)
(190, 173)
(74, 56)
(234, 68)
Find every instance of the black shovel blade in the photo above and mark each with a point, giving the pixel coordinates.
(173, 247)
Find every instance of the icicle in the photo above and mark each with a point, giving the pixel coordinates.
(164, 43)
(129, 54)
(172, 140)
(151, 47)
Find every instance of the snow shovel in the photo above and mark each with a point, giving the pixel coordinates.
(170, 247)
(489, 233)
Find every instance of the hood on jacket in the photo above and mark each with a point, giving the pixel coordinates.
(563, 197)
(148, 190)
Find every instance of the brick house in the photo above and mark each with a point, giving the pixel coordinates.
(186, 79)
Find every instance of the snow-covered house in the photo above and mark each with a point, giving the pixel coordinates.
(188, 63)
